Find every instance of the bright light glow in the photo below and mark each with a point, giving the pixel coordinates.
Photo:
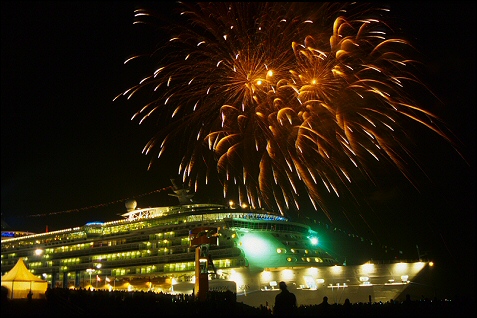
(314, 240)
(313, 271)
(237, 278)
(418, 266)
(255, 246)
(367, 268)
(38, 251)
(266, 276)
(400, 268)
(336, 269)
(287, 274)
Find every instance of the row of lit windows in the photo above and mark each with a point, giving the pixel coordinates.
(174, 267)
(307, 259)
(120, 271)
(70, 261)
(33, 265)
(297, 251)
(107, 257)
(85, 246)
(161, 250)
(111, 257)
(285, 227)
(161, 236)
(159, 244)
(120, 256)
(69, 248)
(45, 239)
(123, 228)
(190, 266)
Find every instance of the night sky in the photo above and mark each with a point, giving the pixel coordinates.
(71, 155)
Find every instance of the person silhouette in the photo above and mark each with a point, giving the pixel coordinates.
(285, 302)
(325, 301)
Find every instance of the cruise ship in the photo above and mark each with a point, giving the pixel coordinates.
(150, 249)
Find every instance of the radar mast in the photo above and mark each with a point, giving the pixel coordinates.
(181, 193)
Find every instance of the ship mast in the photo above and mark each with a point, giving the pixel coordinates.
(182, 194)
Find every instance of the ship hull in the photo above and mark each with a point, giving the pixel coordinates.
(358, 283)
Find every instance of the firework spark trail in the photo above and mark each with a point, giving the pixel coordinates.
(282, 98)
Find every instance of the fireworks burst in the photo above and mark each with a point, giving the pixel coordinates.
(281, 98)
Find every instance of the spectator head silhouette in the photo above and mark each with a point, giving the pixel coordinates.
(282, 285)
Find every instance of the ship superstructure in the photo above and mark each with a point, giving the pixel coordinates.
(150, 249)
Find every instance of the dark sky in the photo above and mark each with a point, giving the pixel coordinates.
(71, 155)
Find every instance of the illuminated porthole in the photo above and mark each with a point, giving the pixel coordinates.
(281, 250)
(291, 259)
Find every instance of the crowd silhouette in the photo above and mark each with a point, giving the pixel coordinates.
(61, 302)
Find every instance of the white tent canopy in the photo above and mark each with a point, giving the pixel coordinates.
(20, 281)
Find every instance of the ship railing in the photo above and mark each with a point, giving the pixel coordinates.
(20, 238)
(396, 261)
(167, 211)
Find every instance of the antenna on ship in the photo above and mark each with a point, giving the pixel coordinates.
(181, 193)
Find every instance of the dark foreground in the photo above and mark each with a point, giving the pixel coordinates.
(66, 303)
